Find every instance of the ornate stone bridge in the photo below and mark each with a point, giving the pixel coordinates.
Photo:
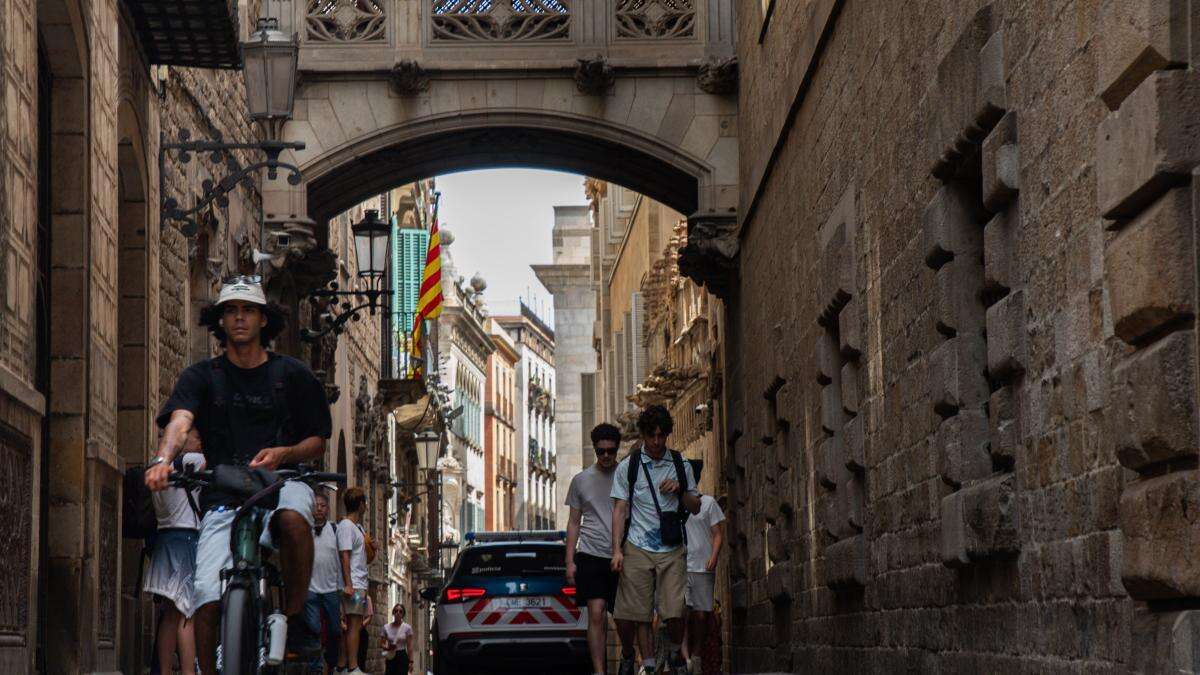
(640, 92)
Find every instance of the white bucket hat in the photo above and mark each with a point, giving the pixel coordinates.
(248, 289)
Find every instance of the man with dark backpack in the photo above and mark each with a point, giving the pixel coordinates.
(258, 409)
(653, 494)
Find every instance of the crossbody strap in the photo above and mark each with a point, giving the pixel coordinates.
(650, 484)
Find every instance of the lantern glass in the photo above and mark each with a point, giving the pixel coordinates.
(427, 442)
(270, 62)
(371, 244)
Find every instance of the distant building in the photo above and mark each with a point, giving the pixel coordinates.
(538, 494)
(500, 431)
(570, 280)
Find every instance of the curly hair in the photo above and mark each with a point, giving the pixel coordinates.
(210, 318)
(655, 417)
(606, 432)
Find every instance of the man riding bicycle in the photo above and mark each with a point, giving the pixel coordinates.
(252, 408)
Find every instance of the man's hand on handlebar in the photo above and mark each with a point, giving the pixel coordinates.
(156, 477)
(270, 458)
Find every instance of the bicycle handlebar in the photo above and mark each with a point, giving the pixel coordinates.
(206, 478)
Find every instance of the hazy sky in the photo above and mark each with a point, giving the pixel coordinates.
(501, 220)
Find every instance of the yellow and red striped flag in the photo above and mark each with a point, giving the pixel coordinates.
(429, 298)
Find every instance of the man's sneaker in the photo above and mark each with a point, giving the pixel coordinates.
(356, 671)
(627, 667)
(678, 665)
(302, 644)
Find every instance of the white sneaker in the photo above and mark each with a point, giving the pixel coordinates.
(356, 671)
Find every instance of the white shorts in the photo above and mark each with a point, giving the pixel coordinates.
(700, 591)
(212, 550)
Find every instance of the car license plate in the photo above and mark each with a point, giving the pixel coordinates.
(520, 603)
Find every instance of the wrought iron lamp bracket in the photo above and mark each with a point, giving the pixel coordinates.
(335, 320)
(219, 152)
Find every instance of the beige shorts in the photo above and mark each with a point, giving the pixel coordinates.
(355, 604)
(648, 576)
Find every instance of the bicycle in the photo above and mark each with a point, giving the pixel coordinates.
(253, 632)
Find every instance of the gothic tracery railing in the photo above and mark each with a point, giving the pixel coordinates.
(657, 19)
(345, 21)
(501, 20)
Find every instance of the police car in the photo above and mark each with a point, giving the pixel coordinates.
(506, 606)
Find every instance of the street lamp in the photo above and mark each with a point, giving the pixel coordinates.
(371, 238)
(270, 64)
(429, 444)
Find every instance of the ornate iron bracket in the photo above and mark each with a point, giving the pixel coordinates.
(219, 152)
(339, 314)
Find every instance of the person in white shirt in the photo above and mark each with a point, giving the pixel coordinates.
(173, 567)
(323, 605)
(398, 643)
(705, 536)
(352, 548)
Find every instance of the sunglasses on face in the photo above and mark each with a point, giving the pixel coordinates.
(606, 451)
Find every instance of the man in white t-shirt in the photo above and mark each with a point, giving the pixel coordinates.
(705, 536)
(352, 542)
(325, 584)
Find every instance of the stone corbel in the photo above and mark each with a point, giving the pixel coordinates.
(710, 257)
(408, 78)
(594, 77)
(718, 77)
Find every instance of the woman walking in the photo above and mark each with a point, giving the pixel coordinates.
(398, 643)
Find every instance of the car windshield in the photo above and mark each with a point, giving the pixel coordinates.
(510, 561)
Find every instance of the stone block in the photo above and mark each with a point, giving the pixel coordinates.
(850, 391)
(1165, 641)
(1135, 39)
(779, 582)
(1151, 268)
(828, 361)
(838, 286)
(1160, 522)
(1000, 251)
(979, 522)
(1004, 426)
(832, 415)
(854, 442)
(1001, 164)
(956, 379)
(852, 328)
(739, 595)
(1149, 145)
(959, 309)
(846, 563)
(777, 547)
(962, 448)
(964, 107)
(950, 223)
(993, 99)
(851, 498)
(1154, 403)
(827, 454)
(1007, 337)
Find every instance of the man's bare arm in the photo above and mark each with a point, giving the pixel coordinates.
(271, 458)
(572, 537)
(620, 512)
(173, 440)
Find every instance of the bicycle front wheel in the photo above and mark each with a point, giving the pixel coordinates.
(239, 632)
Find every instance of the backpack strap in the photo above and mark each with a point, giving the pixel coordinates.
(635, 460)
(682, 476)
(277, 375)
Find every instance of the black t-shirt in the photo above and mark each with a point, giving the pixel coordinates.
(250, 409)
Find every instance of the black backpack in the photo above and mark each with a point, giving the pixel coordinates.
(635, 463)
(138, 519)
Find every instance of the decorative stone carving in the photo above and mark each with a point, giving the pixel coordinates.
(501, 20)
(408, 78)
(710, 257)
(656, 19)
(594, 77)
(345, 21)
(718, 76)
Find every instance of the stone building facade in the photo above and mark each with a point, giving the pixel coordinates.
(500, 432)
(962, 425)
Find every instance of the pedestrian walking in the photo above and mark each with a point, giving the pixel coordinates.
(352, 549)
(705, 536)
(170, 576)
(653, 492)
(398, 643)
(323, 608)
(589, 542)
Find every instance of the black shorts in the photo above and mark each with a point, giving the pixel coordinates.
(594, 578)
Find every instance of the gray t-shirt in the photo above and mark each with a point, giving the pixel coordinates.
(589, 492)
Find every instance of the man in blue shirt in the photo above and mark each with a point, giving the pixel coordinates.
(651, 568)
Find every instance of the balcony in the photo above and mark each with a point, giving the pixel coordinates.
(192, 33)
(508, 34)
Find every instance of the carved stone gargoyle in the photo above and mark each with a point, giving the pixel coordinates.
(718, 76)
(594, 77)
(710, 257)
(408, 78)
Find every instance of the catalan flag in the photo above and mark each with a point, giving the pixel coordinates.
(429, 300)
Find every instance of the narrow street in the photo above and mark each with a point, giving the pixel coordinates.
(432, 336)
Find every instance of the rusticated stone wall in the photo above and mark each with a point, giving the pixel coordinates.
(963, 340)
